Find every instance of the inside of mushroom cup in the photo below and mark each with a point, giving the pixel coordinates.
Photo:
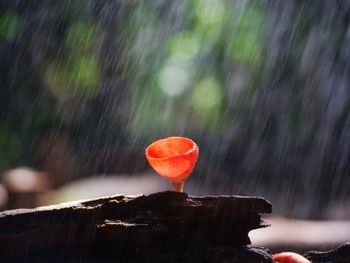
(169, 147)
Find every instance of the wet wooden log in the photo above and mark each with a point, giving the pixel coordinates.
(162, 227)
(341, 254)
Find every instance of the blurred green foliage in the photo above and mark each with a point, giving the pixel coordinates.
(83, 35)
(10, 148)
(79, 78)
(245, 44)
(86, 75)
(80, 75)
(195, 52)
(175, 74)
(207, 96)
(10, 25)
(184, 45)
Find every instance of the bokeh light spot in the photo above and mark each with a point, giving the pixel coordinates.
(57, 77)
(83, 35)
(245, 47)
(80, 78)
(210, 11)
(175, 77)
(86, 71)
(207, 96)
(184, 45)
(244, 44)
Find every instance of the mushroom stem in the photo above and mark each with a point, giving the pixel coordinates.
(178, 186)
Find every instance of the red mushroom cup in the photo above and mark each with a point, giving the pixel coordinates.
(289, 257)
(173, 158)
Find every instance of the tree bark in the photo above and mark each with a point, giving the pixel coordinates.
(162, 227)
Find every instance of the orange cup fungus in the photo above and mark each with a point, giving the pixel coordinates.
(289, 257)
(173, 158)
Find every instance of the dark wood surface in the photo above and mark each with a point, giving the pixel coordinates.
(162, 227)
(340, 254)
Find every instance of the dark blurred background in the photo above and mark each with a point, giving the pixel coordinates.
(261, 85)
